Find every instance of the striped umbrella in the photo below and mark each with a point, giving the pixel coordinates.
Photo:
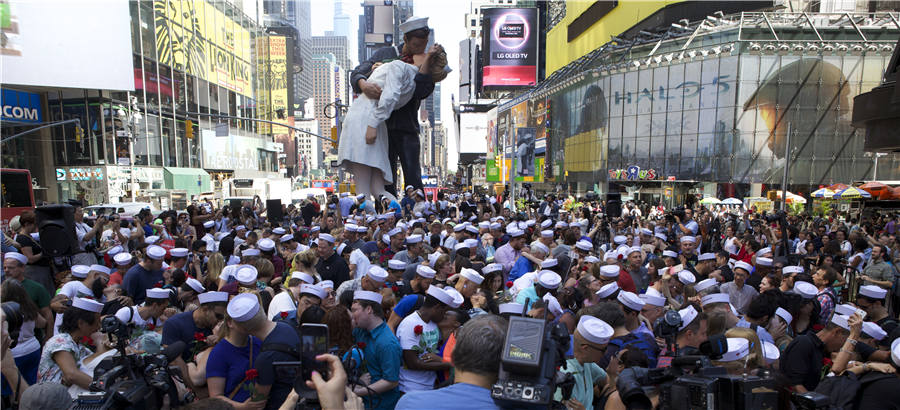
(851, 193)
(822, 193)
(732, 201)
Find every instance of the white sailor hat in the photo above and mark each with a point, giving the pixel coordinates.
(165, 266)
(610, 255)
(386, 239)
(805, 289)
(645, 231)
(743, 265)
(460, 245)
(653, 300)
(705, 284)
(761, 261)
(738, 348)
(367, 295)
(471, 243)
(619, 239)
(326, 284)
(714, 298)
(895, 351)
(267, 244)
(546, 223)
(561, 224)
(686, 277)
(630, 300)
(459, 227)
(370, 219)
(246, 275)
(511, 308)
(770, 352)
(440, 294)
(791, 269)
(471, 275)
(540, 247)
(484, 225)
(100, 268)
(195, 285)
(633, 249)
(243, 307)
(688, 238)
(303, 276)
(841, 321)
(156, 252)
(845, 309)
(279, 231)
(607, 290)
(425, 272)
(610, 271)
(221, 235)
(340, 248)
(240, 228)
(496, 226)
(396, 264)
(458, 298)
(873, 330)
(547, 233)
(514, 232)
(492, 267)
(709, 256)
(115, 250)
(549, 279)
(784, 314)
(688, 315)
(594, 330)
(87, 304)
(212, 297)
(326, 237)
(359, 197)
(286, 238)
(209, 224)
(350, 227)
(549, 263)
(472, 229)
(80, 271)
(313, 290)
(315, 229)
(151, 239)
(584, 245)
(670, 254)
(179, 252)
(344, 194)
(377, 273)
(395, 231)
(591, 259)
(662, 236)
(122, 258)
(553, 305)
(250, 252)
(872, 291)
(158, 293)
(530, 222)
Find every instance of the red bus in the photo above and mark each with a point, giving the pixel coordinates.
(327, 185)
(16, 194)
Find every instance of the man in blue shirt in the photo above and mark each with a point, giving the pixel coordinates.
(381, 351)
(185, 326)
(145, 275)
(476, 360)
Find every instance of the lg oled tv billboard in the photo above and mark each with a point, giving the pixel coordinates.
(511, 44)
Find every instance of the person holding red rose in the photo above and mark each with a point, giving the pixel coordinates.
(380, 348)
(229, 369)
(420, 340)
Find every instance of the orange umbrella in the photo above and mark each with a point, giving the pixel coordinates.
(875, 188)
(838, 187)
(891, 193)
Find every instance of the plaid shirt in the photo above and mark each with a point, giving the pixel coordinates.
(826, 301)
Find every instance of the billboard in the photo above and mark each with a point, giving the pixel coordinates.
(84, 44)
(473, 132)
(525, 137)
(197, 37)
(511, 47)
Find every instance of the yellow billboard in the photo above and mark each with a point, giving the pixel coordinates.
(196, 37)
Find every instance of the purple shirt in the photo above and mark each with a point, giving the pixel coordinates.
(506, 256)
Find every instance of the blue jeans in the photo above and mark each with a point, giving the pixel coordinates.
(28, 366)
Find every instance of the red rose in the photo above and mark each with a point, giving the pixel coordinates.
(418, 330)
(200, 337)
(158, 285)
(394, 288)
(826, 361)
(284, 315)
(385, 285)
(87, 340)
(251, 374)
(151, 327)
(509, 284)
(361, 345)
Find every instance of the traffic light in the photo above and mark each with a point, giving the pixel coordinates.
(772, 195)
(79, 133)
(334, 135)
(189, 129)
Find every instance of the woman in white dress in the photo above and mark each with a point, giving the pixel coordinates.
(363, 146)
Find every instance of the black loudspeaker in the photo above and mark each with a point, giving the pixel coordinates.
(56, 227)
(613, 205)
(274, 211)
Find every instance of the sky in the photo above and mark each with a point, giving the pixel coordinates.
(446, 18)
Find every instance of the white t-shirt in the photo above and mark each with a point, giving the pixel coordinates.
(27, 343)
(133, 316)
(416, 380)
(228, 272)
(845, 247)
(211, 244)
(72, 290)
(109, 235)
(282, 302)
(358, 258)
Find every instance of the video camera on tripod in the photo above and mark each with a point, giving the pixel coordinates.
(532, 352)
(130, 381)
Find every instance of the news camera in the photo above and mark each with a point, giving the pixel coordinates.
(532, 352)
(131, 381)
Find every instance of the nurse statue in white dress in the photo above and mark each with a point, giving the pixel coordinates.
(363, 144)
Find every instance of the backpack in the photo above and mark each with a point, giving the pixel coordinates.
(843, 391)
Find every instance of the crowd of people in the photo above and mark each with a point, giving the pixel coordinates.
(416, 294)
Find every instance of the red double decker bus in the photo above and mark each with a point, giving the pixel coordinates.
(16, 194)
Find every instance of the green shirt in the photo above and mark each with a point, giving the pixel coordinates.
(586, 376)
(37, 293)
